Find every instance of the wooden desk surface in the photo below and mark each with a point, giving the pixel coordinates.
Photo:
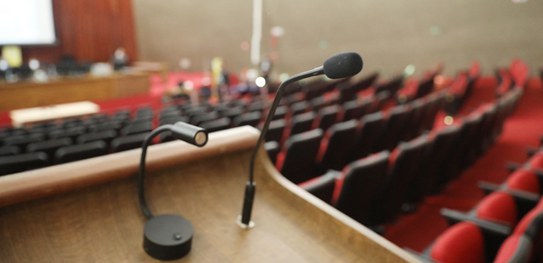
(87, 211)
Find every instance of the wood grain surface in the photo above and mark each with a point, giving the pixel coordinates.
(94, 216)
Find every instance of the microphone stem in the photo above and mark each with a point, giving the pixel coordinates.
(141, 176)
(278, 94)
(250, 188)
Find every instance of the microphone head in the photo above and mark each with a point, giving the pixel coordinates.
(343, 65)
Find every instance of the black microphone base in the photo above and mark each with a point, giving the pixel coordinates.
(167, 237)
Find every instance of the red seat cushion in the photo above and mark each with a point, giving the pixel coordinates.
(461, 243)
(498, 206)
(524, 180)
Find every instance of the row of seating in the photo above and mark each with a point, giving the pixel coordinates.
(65, 140)
(505, 226)
(399, 179)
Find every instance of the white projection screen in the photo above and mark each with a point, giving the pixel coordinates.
(27, 22)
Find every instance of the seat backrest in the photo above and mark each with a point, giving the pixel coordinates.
(296, 161)
(272, 148)
(216, 125)
(80, 151)
(322, 186)
(336, 145)
(275, 130)
(371, 127)
(356, 190)
(22, 162)
(105, 136)
(248, 118)
(397, 120)
(302, 122)
(440, 151)
(327, 116)
(128, 142)
(49, 146)
(403, 164)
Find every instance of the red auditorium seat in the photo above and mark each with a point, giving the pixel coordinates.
(395, 127)
(327, 116)
(296, 161)
(358, 185)
(526, 180)
(356, 109)
(432, 180)
(404, 164)
(322, 186)
(371, 128)
(276, 130)
(462, 243)
(413, 126)
(526, 242)
(302, 122)
(336, 144)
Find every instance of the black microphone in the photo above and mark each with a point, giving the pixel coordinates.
(167, 237)
(339, 66)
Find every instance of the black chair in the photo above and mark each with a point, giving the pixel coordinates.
(80, 151)
(22, 162)
(71, 133)
(9, 150)
(208, 116)
(296, 161)
(217, 124)
(105, 136)
(49, 147)
(128, 142)
(137, 127)
(249, 118)
(23, 140)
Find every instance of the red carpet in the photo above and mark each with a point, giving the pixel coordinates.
(522, 130)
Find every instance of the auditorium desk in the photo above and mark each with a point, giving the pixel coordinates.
(87, 211)
(26, 94)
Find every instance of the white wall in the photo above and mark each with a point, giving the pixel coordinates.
(388, 34)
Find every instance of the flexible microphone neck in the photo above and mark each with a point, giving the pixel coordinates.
(339, 66)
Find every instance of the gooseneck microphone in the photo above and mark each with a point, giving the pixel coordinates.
(167, 237)
(339, 66)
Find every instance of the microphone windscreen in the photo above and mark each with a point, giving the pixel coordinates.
(343, 65)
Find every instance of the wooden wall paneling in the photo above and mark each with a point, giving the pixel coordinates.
(89, 30)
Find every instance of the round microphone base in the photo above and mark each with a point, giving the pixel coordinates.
(167, 237)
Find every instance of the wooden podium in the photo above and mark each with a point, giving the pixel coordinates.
(87, 211)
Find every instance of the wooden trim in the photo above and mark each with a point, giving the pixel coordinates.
(61, 178)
